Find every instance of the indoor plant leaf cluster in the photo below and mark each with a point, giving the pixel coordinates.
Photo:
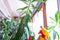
(9, 27)
(56, 19)
(19, 29)
(26, 18)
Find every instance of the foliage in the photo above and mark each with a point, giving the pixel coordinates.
(26, 18)
(9, 27)
(56, 19)
(15, 29)
(23, 23)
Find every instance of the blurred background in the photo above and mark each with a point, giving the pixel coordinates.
(51, 9)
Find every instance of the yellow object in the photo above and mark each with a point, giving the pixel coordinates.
(41, 38)
(45, 32)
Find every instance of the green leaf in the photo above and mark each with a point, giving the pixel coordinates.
(53, 19)
(29, 18)
(58, 35)
(23, 8)
(33, 6)
(42, 0)
(30, 11)
(24, 23)
(19, 31)
(59, 19)
(56, 19)
(50, 27)
(33, 0)
(33, 38)
(56, 16)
